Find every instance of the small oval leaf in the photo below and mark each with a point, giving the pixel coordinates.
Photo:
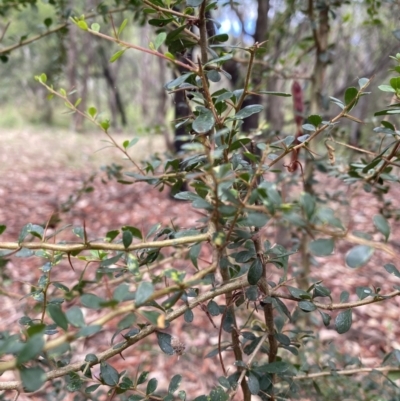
(144, 292)
(359, 256)
(343, 321)
(322, 247)
(204, 123)
(382, 225)
(248, 111)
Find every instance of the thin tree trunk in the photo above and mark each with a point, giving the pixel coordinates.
(321, 34)
(115, 101)
(72, 63)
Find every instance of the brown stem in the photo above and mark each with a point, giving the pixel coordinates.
(203, 31)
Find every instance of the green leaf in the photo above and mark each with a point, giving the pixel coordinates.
(253, 383)
(112, 260)
(226, 57)
(30, 349)
(169, 55)
(24, 232)
(92, 388)
(254, 220)
(143, 293)
(91, 301)
(214, 76)
(134, 231)
(343, 321)
(308, 127)
(255, 272)
(164, 342)
(204, 123)
(151, 316)
(221, 37)
(83, 25)
(382, 225)
(362, 82)
(188, 316)
(213, 308)
(307, 306)
(326, 319)
(160, 39)
(275, 367)
(91, 358)
(117, 55)
(32, 378)
(121, 293)
(228, 321)
(391, 268)
(178, 81)
(88, 331)
(151, 386)
(194, 254)
(395, 83)
(95, 27)
(174, 384)
(105, 124)
(79, 232)
(386, 88)
(248, 111)
(315, 120)
(58, 316)
(298, 293)
(388, 125)
(322, 247)
(363, 292)
(127, 238)
(35, 230)
(92, 111)
(2, 228)
(109, 374)
(122, 27)
(47, 22)
(359, 256)
(111, 235)
(349, 97)
(217, 394)
(143, 377)
(283, 94)
(172, 300)
(337, 102)
(224, 382)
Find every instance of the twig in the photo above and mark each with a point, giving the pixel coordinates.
(105, 246)
(344, 305)
(347, 372)
(252, 356)
(102, 356)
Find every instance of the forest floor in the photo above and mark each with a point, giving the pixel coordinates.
(41, 171)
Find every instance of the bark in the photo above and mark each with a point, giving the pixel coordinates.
(115, 101)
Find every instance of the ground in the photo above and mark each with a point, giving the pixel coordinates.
(40, 171)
